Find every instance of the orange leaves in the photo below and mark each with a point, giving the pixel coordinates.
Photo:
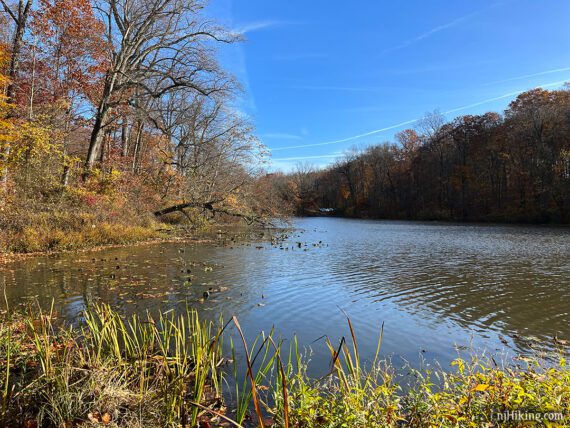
(98, 418)
(531, 99)
(410, 141)
(73, 49)
(344, 191)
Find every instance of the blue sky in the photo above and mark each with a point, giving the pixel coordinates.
(348, 73)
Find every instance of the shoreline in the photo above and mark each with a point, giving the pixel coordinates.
(59, 376)
(199, 237)
(6, 258)
(438, 221)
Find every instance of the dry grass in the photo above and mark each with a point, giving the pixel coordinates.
(67, 224)
(167, 372)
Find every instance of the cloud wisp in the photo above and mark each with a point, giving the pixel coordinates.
(251, 27)
(412, 121)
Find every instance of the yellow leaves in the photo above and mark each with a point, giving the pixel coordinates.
(24, 142)
(460, 365)
(7, 134)
(71, 161)
(481, 387)
(552, 425)
(4, 58)
(3, 83)
(453, 419)
(34, 138)
(104, 183)
(232, 201)
(6, 125)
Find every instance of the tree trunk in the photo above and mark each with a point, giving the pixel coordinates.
(125, 137)
(14, 63)
(20, 22)
(97, 137)
(181, 207)
(101, 121)
(65, 176)
(137, 148)
(249, 218)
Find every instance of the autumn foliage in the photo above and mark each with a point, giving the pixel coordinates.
(111, 111)
(513, 167)
(6, 125)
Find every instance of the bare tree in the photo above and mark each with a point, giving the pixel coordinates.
(19, 14)
(212, 147)
(430, 124)
(156, 47)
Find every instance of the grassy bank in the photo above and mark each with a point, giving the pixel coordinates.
(68, 227)
(73, 219)
(39, 238)
(171, 371)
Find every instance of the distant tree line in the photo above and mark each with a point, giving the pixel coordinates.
(513, 167)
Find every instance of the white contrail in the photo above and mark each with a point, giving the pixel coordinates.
(409, 122)
(527, 76)
(307, 157)
(439, 28)
(356, 137)
(500, 97)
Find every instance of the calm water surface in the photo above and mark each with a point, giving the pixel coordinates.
(438, 288)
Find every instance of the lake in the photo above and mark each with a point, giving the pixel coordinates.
(439, 288)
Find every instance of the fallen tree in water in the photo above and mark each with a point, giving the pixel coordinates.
(249, 218)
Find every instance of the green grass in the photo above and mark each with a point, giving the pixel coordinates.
(170, 371)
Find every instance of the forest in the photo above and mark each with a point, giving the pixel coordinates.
(120, 124)
(117, 121)
(115, 115)
(510, 167)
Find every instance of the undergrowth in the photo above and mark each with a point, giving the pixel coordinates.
(170, 371)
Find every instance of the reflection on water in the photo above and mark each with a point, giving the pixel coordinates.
(434, 285)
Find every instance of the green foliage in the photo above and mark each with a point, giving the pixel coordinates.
(132, 372)
(166, 371)
(478, 389)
